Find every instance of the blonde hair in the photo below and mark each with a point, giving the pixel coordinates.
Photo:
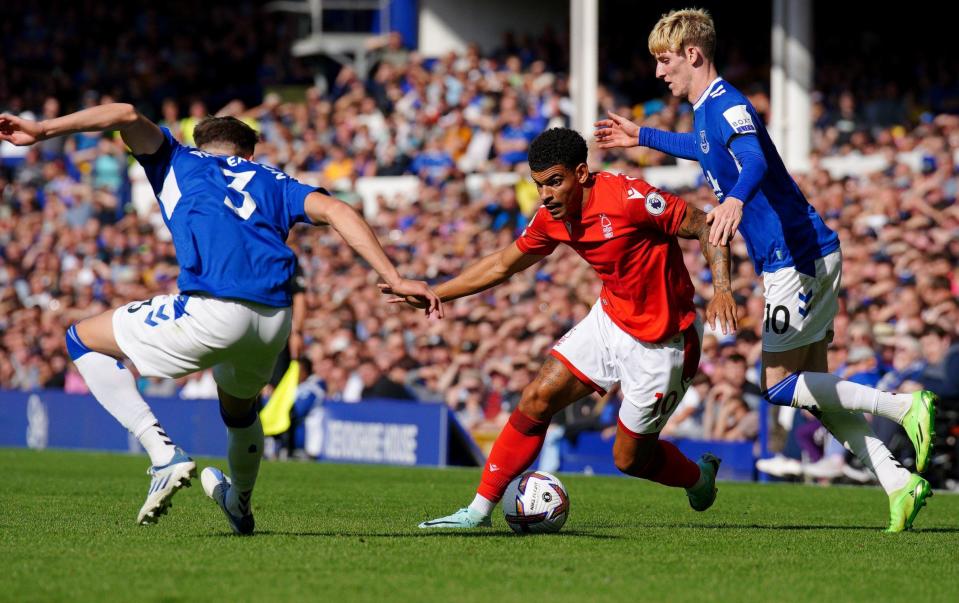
(680, 29)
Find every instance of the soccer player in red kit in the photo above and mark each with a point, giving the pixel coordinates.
(642, 333)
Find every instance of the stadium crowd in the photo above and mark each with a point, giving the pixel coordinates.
(81, 232)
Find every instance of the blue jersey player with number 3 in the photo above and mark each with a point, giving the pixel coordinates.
(796, 253)
(229, 218)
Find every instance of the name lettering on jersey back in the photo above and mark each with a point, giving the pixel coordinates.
(234, 161)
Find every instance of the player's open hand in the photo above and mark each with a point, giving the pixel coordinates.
(414, 293)
(722, 309)
(18, 131)
(616, 132)
(724, 221)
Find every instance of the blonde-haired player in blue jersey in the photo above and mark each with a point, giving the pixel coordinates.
(797, 255)
(229, 218)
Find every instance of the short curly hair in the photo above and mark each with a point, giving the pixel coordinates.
(557, 146)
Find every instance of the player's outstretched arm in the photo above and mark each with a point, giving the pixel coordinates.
(323, 209)
(139, 133)
(721, 306)
(487, 272)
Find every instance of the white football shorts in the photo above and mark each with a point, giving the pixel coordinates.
(654, 377)
(800, 308)
(175, 335)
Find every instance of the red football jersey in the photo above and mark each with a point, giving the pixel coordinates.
(627, 233)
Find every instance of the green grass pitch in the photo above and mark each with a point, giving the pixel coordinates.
(348, 533)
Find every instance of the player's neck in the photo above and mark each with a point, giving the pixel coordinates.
(702, 78)
(587, 195)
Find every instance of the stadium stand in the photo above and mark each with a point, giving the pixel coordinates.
(433, 150)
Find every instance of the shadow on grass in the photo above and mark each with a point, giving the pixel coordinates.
(755, 526)
(419, 534)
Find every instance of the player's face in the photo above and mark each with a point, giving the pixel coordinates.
(561, 189)
(674, 69)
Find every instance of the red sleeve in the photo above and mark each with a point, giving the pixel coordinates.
(653, 207)
(535, 239)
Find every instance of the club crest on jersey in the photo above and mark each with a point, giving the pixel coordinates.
(655, 204)
(607, 225)
(703, 143)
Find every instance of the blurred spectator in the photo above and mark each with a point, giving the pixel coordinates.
(861, 366)
(907, 365)
(434, 164)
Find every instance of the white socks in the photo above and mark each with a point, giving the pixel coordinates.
(857, 436)
(244, 451)
(114, 388)
(482, 505)
(829, 393)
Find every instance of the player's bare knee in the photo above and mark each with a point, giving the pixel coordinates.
(536, 402)
(96, 334)
(634, 457)
(86, 332)
(624, 461)
(632, 462)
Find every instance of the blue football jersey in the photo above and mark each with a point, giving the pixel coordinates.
(780, 227)
(229, 218)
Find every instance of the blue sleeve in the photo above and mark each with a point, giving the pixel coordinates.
(731, 117)
(678, 145)
(749, 154)
(294, 199)
(155, 165)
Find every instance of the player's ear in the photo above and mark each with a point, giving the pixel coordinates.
(694, 55)
(582, 173)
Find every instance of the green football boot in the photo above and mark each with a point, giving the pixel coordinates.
(905, 503)
(920, 425)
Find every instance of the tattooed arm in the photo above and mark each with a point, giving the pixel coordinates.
(721, 306)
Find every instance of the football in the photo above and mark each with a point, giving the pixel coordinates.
(536, 503)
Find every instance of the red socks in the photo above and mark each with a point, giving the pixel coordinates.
(667, 465)
(519, 444)
(514, 451)
(670, 467)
